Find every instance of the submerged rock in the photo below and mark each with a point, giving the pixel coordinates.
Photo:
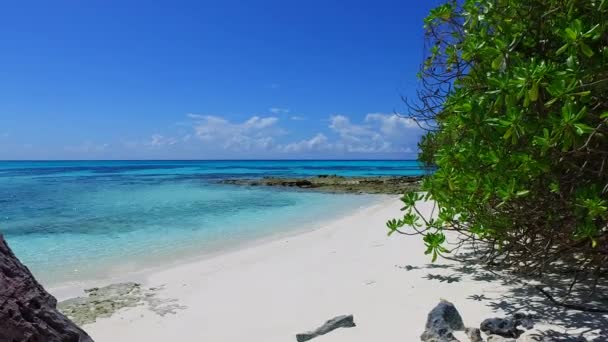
(345, 321)
(441, 322)
(333, 183)
(27, 311)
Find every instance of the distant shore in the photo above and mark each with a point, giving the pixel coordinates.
(338, 184)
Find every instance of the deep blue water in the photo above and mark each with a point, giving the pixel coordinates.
(77, 220)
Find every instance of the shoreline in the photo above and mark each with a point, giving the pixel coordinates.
(275, 289)
(72, 289)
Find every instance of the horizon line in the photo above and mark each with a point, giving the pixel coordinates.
(102, 160)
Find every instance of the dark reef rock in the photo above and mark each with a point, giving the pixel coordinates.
(345, 321)
(500, 326)
(508, 327)
(333, 183)
(441, 322)
(27, 311)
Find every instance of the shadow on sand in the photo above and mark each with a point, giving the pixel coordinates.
(523, 296)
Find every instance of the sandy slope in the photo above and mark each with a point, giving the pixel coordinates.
(274, 290)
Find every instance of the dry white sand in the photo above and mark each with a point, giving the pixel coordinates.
(271, 291)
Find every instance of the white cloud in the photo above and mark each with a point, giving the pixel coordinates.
(278, 110)
(317, 143)
(348, 130)
(378, 133)
(357, 138)
(391, 124)
(158, 140)
(375, 133)
(254, 133)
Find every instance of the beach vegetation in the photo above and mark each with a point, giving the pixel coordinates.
(514, 96)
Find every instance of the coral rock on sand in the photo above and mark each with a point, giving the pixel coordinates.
(507, 327)
(345, 321)
(27, 311)
(473, 334)
(442, 321)
(101, 302)
(105, 301)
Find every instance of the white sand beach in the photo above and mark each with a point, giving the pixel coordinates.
(273, 290)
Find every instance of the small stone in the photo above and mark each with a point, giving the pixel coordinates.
(474, 334)
(504, 327)
(441, 322)
(508, 327)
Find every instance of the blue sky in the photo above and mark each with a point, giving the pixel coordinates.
(208, 79)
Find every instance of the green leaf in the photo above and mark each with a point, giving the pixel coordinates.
(562, 49)
(497, 62)
(591, 31)
(586, 49)
(583, 93)
(533, 92)
(581, 128)
(570, 34)
(604, 115)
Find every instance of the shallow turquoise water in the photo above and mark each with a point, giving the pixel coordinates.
(72, 221)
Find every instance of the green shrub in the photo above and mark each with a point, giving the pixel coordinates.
(515, 96)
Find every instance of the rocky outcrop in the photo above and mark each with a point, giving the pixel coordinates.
(339, 184)
(345, 321)
(27, 311)
(441, 323)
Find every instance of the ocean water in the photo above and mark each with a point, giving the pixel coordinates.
(81, 220)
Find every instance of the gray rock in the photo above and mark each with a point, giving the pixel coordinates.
(345, 321)
(508, 327)
(474, 334)
(441, 322)
(505, 327)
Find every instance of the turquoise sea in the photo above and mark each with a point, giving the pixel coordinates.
(80, 220)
